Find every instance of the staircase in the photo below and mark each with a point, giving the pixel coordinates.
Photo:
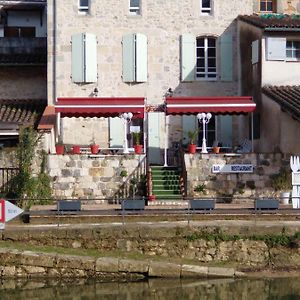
(166, 183)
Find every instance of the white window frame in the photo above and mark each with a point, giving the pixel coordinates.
(83, 8)
(206, 73)
(134, 10)
(293, 49)
(205, 11)
(274, 8)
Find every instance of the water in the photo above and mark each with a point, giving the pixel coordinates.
(218, 289)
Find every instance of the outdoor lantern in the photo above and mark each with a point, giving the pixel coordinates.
(126, 119)
(204, 119)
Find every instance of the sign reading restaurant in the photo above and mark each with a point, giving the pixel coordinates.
(238, 168)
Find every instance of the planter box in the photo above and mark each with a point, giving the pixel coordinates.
(64, 205)
(266, 204)
(205, 204)
(133, 204)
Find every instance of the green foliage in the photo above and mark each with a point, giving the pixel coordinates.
(136, 137)
(282, 181)
(123, 173)
(200, 188)
(192, 135)
(27, 187)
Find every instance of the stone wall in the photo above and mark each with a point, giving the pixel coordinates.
(236, 185)
(81, 176)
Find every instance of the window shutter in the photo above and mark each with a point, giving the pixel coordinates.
(154, 143)
(188, 57)
(226, 57)
(77, 57)
(90, 58)
(276, 48)
(141, 58)
(128, 58)
(189, 123)
(116, 132)
(255, 52)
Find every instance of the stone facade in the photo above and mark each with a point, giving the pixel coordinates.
(80, 176)
(233, 185)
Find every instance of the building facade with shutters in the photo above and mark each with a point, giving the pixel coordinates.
(145, 49)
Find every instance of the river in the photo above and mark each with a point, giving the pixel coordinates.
(216, 289)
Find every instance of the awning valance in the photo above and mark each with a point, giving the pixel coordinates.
(100, 107)
(217, 105)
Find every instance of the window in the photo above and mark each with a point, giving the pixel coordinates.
(134, 7)
(83, 6)
(206, 57)
(135, 58)
(267, 6)
(210, 132)
(293, 50)
(205, 7)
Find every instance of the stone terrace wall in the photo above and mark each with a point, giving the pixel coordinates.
(256, 184)
(81, 176)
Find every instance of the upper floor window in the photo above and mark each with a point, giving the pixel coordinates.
(293, 50)
(134, 7)
(267, 6)
(206, 57)
(205, 7)
(83, 6)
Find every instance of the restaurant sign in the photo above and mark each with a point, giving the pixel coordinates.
(238, 168)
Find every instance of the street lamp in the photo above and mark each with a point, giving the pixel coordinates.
(204, 119)
(126, 120)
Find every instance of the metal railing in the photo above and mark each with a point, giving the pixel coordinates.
(6, 175)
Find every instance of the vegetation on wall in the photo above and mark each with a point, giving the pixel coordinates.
(27, 187)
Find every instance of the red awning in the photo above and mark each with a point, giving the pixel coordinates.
(100, 107)
(218, 105)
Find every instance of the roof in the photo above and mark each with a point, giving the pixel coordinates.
(288, 97)
(48, 119)
(21, 111)
(273, 21)
(218, 105)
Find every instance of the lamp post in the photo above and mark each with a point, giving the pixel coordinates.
(126, 119)
(204, 119)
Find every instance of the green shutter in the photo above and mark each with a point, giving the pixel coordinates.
(77, 58)
(154, 130)
(116, 132)
(225, 134)
(90, 58)
(128, 58)
(189, 123)
(226, 57)
(141, 58)
(188, 57)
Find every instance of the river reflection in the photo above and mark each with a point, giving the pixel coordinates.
(241, 289)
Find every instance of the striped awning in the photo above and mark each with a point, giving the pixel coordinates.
(100, 107)
(218, 105)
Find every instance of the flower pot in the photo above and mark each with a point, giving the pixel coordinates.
(138, 149)
(285, 197)
(94, 148)
(216, 149)
(192, 148)
(152, 198)
(60, 149)
(76, 149)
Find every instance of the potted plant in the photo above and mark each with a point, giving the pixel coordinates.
(59, 147)
(282, 182)
(138, 148)
(94, 147)
(192, 135)
(76, 149)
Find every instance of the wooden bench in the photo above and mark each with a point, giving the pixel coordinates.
(202, 204)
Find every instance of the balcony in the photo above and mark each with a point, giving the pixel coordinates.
(16, 51)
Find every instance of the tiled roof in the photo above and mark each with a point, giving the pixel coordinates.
(288, 97)
(21, 111)
(273, 21)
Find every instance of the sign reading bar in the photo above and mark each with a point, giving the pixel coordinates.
(238, 168)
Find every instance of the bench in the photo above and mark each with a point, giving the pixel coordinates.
(68, 205)
(202, 204)
(266, 204)
(133, 204)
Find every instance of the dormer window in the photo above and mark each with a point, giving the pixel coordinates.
(267, 6)
(134, 7)
(83, 6)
